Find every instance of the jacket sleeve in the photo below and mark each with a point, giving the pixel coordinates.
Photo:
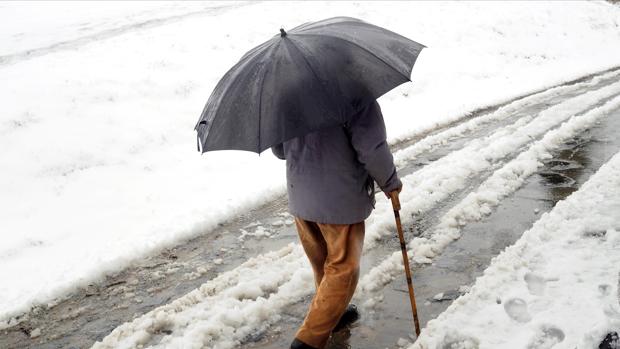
(278, 151)
(368, 137)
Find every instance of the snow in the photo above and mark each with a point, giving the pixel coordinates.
(480, 202)
(33, 27)
(516, 107)
(35, 333)
(261, 303)
(449, 174)
(222, 311)
(259, 232)
(99, 166)
(558, 284)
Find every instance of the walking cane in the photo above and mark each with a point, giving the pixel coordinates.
(403, 248)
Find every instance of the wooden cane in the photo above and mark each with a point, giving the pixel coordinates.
(403, 248)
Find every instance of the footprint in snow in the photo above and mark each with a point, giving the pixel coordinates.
(459, 341)
(535, 283)
(546, 337)
(604, 289)
(516, 308)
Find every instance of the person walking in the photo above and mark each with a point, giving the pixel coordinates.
(330, 184)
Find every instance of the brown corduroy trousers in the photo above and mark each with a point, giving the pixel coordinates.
(334, 251)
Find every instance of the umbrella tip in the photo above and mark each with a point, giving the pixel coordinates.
(282, 33)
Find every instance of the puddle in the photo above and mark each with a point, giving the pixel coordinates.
(556, 179)
(561, 165)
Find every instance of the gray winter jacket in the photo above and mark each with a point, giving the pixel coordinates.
(330, 172)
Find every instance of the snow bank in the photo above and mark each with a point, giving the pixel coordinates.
(558, 284)
(98, 164)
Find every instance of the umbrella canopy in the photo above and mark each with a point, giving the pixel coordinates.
(314, 76)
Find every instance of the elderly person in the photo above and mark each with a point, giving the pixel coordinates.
(330, 183)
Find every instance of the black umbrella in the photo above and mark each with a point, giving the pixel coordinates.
(314, 76)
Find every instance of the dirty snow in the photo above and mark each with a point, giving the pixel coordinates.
(246, 292)
(99, 166)
(481, 201)
(558, 284)
(436, 181)
(249, 290)
(224, 310)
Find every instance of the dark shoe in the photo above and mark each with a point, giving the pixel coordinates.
(350, 316)
(610, 342)
(297, 344)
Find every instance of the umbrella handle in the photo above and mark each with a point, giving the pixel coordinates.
(403, 248)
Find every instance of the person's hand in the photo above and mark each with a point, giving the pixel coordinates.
(396, 191)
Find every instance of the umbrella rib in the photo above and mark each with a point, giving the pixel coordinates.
(322, 24)
(260, 96)
(222, 88)
(329, 96)
(305, 60)
(260, 106)
(361, 47)
(256, 50)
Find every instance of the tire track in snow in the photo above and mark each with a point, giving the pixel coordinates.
(183, 320)
(479, 203)
(435, 146)
(25, 55)
(440, 144)
(437, 181)
(508, 113)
